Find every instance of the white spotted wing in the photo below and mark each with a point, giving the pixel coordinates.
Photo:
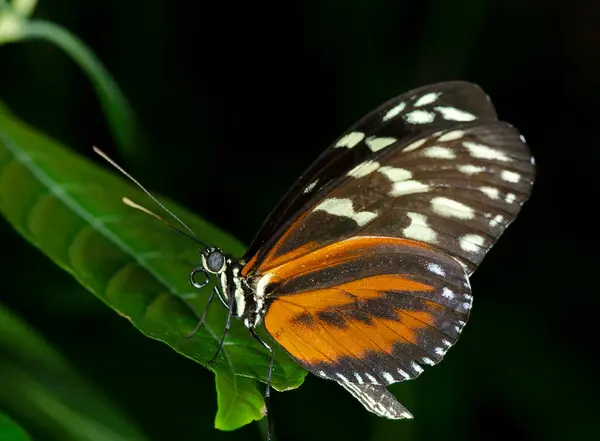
(455, 189)
(411, 115)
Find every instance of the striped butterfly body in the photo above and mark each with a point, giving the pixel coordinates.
(362, 271)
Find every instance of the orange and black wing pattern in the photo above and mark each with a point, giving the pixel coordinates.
(364, 273)
(368, 309)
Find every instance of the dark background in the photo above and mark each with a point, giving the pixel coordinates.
(237, 98)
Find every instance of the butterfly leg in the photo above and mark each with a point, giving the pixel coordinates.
(225, 331)
(201, 322)
(268, 388)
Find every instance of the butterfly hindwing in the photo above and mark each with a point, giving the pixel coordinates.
(370, 310)
(410, 115)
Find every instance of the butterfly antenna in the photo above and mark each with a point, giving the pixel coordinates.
(132, 204)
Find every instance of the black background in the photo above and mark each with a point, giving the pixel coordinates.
(237, 98)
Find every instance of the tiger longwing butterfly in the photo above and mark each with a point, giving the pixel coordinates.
(361, 272)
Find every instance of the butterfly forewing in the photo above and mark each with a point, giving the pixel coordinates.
(457, 190)
(407, 116)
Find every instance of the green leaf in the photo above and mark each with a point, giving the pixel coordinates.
(37, 384)
(238, 399)
(11, 431)
(70, 208)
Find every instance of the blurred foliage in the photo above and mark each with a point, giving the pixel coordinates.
(237, 99)
(39, 386)
(11, 431)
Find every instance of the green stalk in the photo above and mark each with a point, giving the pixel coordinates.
(14, 27)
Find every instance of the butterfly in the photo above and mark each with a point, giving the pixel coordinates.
(361, 272)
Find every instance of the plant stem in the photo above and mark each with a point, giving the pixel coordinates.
(116, 107)
(23, 8)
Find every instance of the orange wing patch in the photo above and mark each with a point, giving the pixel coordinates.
(310, 256)
(371, 306)
(325, 325)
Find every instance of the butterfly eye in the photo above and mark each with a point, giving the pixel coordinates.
(214, 262)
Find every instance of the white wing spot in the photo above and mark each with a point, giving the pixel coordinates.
(436, 269)
(343, 207)
(395, 174)
(388, 377)
(446, 343)
(358, 378)
(469, 169)
(451, 208)
(522, 138)
(471, 242)
(363, 169)
(510, 198)
(414, 145)
(448, 293)
(350, 140)
(491, 192)
(408, 187)
(418, 369)
(419, 117)
(342, 377)
(440, 351)
(428, 361)
(419, 230)
(454, 114)
(404, 374)
(510, 176)
(468, 297)
(376, 144)
(498, 219)
(371, 378)
(428, 98)
(394, 111)
(438, 152)
(467, 306)
(451, 136)
(484, 152)
(323, 374)
(310, 186)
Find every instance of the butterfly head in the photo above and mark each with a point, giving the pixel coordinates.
(214, 263)
(213, 260)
